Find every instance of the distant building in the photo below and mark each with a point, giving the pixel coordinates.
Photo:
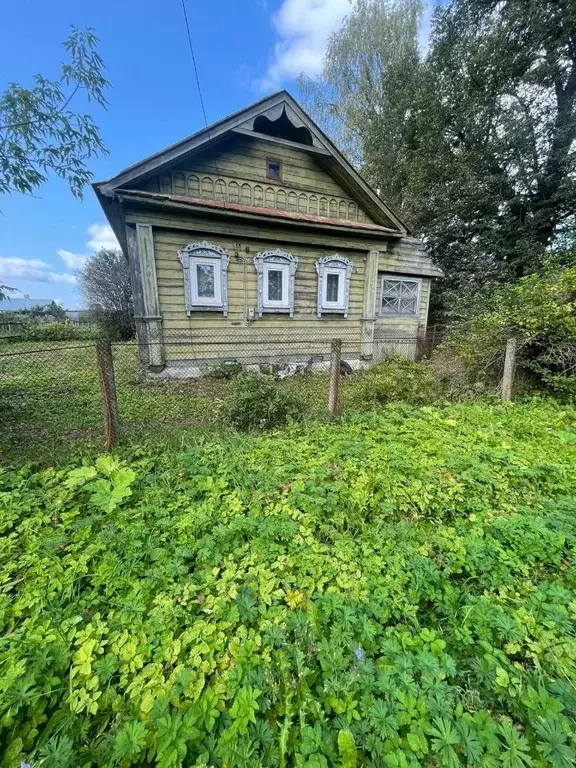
(17, 304)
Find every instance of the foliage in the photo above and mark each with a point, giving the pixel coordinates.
(367, 89)
(479, 132)
(226, 371)
(257, 402)
(396, 590)
(56, 331)
(104, 282)
(41, 134)
(399, 379)
(115, 325)
(539, 311)
(51, 312)
(5, 290)
(52, 309)
(494, 168)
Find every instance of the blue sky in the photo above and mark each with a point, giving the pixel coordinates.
(244, 49)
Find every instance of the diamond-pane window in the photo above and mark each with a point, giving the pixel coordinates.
(399, 296)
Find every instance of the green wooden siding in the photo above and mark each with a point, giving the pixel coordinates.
(217, 336)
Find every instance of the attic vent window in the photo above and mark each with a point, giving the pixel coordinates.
(274, 169)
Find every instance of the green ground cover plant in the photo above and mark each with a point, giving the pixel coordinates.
(395, 590)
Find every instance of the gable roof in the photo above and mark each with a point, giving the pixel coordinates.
(242, 122)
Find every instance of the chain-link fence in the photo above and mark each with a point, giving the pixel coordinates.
(51, 391)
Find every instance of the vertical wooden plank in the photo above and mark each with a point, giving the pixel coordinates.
(105, 365)
(137, 293)
(150, 298)
(334, 387)
(509, 367)
(369, 308)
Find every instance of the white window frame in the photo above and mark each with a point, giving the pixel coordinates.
(281, 261)
(400, 279)
(284, 302)
(196, 254)
(334, 265)
(205, 301)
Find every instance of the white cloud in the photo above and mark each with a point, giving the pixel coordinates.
(99, 236)
(304, 27)
(34, 270)
(72, 260)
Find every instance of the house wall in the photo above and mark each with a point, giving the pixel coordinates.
(236, 173)
(211, 336)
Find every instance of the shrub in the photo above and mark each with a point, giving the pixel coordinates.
(116, 325)
(258, 402)
(58, 332)
(540, 312)
(226, 371)
(400, 379)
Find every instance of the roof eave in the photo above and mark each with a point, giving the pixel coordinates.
(135, 199)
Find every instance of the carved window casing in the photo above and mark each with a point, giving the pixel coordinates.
(276, 270)
(205, 277)
(334, 284)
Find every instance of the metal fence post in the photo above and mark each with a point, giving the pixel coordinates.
(105, 364)
(509, 366)
(334, 387)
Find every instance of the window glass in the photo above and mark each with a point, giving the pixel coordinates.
(274, 169)
(206, 282)
(332, 280)
(275, 285)
(399, 297)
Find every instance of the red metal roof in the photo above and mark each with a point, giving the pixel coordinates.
(254, 209)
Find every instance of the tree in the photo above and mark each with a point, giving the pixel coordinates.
(475, 144)
(41, 134)
(105, 284)
(5, 290)
(51, 311)
(494, 174)
(366, 92)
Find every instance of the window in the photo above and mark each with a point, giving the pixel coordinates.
(274, 169)
(276, 279)
(400, 296)
(205, 277)
(333, 284)
(276, 270)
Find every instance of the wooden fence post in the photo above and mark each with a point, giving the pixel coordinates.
(334, 388)
(509, 366)
(105, 364)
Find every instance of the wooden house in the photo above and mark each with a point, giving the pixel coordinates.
(256, 240)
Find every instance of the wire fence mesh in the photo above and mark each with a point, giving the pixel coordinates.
(50, 392)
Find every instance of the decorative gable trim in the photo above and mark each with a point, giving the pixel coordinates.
(335, 163)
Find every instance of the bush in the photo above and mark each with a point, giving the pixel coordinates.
(400, 379)
(258, 402)
(226, 371)
(115, 325)
(58, 332)
(540, 312)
